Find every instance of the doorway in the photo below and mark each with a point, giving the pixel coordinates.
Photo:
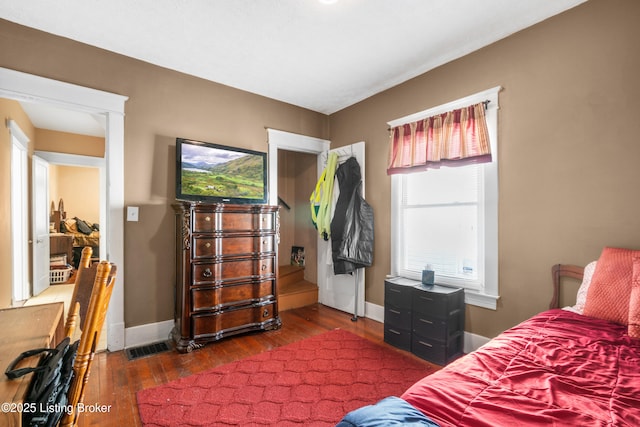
(344, 292)
(26, 87)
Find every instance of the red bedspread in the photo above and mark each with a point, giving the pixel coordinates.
(557, 368)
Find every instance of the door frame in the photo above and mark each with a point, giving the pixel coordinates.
(281, 140)
(28, 87)
(20, 285)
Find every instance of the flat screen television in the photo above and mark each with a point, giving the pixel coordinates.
(214, 173)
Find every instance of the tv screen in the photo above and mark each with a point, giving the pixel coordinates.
(215, 173)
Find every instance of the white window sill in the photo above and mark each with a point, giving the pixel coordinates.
(481, 299)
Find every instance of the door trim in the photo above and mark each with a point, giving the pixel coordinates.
(20, 285)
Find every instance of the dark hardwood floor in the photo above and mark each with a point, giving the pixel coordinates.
(114, 380)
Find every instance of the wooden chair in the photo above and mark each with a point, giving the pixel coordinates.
(85, 278)
(92, 325)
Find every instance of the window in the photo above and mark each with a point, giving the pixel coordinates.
(446, 218)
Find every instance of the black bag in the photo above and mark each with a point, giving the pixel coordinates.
(46, 398)
(83, 226)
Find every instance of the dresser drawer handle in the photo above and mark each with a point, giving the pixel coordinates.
(207, 245)
(426, 298)
(394, 311)
(263, 267)
(429, 322)
(426, 344)
(395, 290)
(207, 218)
(394, 332)
(265, 313)
(207, 273)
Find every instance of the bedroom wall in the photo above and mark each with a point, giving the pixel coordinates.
(79, 188)
(568, 148)
(162, 105)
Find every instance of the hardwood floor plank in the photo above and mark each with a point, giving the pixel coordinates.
(115, 380)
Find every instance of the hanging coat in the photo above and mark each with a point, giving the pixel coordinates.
(352, 225)
(320, 199)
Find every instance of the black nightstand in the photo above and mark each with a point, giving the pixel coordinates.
(426, 320)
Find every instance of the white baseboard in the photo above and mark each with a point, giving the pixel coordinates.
(473, 342)
(147, 334)
(374, 312)
(114, 338)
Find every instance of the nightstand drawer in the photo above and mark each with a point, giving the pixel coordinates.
(398, 295)
(397, 337)
(436, 351)
(437, 301)
(434, 305)
(396, 316)
(434, 328)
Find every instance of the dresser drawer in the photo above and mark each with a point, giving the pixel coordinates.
(237, 269)
(207, 222)
(438, 329)
(208, 247)
(217, 324)
(219, 297)
(397, 295)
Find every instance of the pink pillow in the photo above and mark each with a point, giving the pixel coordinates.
(634, 302)
(610, 290)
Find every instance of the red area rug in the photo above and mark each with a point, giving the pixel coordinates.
(313, 382)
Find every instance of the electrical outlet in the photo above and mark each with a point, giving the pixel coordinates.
(132, 213)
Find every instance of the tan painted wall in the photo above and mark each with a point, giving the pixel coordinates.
(569, 148)
(68, 143)
(162, 105)
(79, 188)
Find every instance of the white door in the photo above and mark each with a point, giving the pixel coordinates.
(40, 224)
(19, 208)
(343, 291)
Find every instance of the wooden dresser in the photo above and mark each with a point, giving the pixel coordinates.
(226, 269)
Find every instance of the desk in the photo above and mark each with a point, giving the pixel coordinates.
(25, 328)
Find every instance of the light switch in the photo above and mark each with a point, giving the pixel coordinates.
(132, 213)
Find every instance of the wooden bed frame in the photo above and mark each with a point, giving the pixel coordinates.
(559, 271)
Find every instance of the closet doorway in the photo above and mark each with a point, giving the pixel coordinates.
(343, 292)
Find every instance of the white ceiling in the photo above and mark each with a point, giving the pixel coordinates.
(323, 57)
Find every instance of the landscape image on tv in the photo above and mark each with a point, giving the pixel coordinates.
(209, 171)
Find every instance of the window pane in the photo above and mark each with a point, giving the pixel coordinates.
(446, 185)
(444, 237)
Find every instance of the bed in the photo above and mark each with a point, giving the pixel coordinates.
(83, 233)
(576, 366)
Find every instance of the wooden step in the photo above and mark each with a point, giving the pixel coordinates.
(293, 290)
(289, 274)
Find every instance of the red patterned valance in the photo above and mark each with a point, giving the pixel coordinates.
(454, 138)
